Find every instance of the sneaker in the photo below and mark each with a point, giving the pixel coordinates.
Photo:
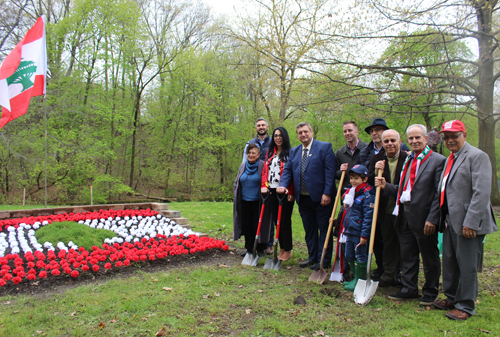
(400, 296)
(427, 300)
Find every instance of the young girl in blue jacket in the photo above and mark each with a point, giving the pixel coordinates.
(357, 223)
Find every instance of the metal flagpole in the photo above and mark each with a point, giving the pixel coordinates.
(45, 119)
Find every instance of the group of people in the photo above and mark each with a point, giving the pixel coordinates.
(422, 192)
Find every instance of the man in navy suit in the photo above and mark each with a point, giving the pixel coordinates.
(312, 167)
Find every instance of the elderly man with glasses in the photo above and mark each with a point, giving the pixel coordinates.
(391, 162)
(466, 217)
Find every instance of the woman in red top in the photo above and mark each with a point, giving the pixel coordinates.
(275, 161)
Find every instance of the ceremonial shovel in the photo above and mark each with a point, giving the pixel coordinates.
(320, 275)
(275, 263)
(253, 259)
(365, 289)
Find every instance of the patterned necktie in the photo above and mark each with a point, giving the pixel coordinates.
(445, 178)
(303, 187)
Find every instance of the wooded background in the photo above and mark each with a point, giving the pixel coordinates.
(159, 97)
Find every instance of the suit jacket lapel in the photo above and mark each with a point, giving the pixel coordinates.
(459, 161)
(310, 154)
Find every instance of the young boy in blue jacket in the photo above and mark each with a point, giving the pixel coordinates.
(357, 220)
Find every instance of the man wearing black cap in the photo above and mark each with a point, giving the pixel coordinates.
(375, 130)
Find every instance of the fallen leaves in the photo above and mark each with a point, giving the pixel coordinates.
(223, 266)
(248, 311)
(162, 332)
(101, 325)
(114, 320)
(167, 288)
(73, 313)
(154, 279)
(485, 331)
(217, 295)
(206, 296)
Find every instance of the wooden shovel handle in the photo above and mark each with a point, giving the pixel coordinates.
(375, 215)
(337, 197)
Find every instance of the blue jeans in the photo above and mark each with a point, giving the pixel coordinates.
(351, 253)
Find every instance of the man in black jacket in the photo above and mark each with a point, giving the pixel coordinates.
(347, 156)
(391, 162)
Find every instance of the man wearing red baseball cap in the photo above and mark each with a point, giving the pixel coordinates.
(466, 217)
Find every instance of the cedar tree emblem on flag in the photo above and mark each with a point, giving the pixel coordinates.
(23, 73)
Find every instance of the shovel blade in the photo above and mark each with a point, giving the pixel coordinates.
(272, 264)
(364, 291)
(250, 260)
(318, 276)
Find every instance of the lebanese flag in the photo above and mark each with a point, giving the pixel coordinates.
(23, 73)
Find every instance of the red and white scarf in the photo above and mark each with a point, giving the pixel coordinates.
(404, 192)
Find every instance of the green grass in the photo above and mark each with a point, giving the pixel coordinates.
(66, 231)
(238, 300)
(16, 207)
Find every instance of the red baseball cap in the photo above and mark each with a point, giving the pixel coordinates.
(453, 126)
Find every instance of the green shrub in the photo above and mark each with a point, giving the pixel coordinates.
(81, 235)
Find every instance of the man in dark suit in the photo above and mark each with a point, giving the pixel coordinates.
(417, 210)
(467, 216)
(375, 131)
(311, 166)
(391, 162)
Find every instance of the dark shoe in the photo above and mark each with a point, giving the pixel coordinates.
(245, 253)
(458, 315)
(348, 276)
(316, 266)
(427, 300)
(377, 273)
(261, 253)
(400, 296)
(443, 304)
(306, 263)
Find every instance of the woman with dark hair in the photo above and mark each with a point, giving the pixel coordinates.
(246, 209)
(275, 162)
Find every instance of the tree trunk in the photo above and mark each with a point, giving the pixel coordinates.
(486, 84)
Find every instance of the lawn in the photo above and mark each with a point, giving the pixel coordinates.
(226, 298)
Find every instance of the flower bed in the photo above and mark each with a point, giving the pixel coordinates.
(142, 235)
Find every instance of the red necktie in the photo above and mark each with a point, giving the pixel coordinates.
(445, 178)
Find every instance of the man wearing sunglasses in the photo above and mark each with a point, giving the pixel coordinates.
(391, 162)
(466, 217)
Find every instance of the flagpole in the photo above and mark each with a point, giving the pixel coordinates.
(45, 119)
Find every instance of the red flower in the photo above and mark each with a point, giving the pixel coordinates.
(43, 274)
(119, 264)
(2, 282)
(126, 262)
(225, 247)
(31, 277)
(75, 273)
(7, 277)
(85, 267)
(95, 267)
(107, 265)
(16, 280)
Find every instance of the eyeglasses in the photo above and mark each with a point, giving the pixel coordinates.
(278, 136)
(386, 141)
(453, 137)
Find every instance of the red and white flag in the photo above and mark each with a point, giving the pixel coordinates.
(23, 73)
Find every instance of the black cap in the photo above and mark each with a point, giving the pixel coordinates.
(376, 122)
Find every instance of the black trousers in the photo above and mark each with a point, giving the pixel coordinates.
(250, 213)
(271, 212)
(315, 219)
(412, 244)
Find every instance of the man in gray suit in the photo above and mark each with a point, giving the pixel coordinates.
(467, 217)
(417, 210)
